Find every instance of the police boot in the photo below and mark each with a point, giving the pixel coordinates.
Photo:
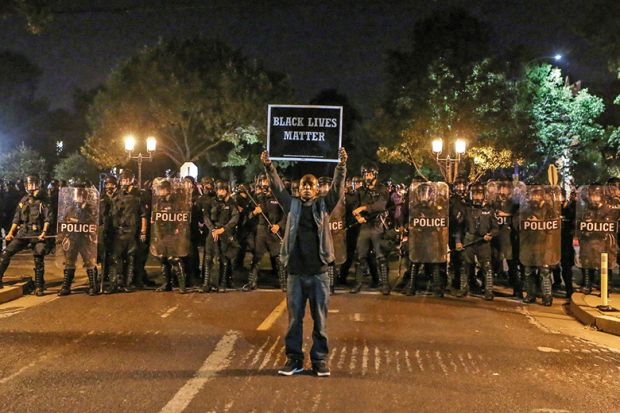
(206, 276)
(437, 281)
(281, 274)
(331, 270)
(586, 287)
(229, 274)
(252, 278)
(166, 272)
(515, 280)
(113, 276)
(488, 283)
(39, 271)
(413, 271)
(91, 273)
(384, 276)
(4, 264)
(131, 268)
(69, 273)
(530, 286)
(223, 271)
(547, 291)
(360, 271)
(464, 282)
(181, 276)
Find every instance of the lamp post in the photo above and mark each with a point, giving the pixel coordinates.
(449, 165)
(130, 145)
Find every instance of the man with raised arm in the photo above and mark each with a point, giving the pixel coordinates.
(307, 250)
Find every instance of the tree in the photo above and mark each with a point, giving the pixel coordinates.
(478, 106)
(562, 120)
(76, 166)
(191, 94)
(21, 162)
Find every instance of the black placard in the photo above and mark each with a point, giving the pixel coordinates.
(304, 133)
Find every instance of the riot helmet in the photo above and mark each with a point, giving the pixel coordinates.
(425, 193)
(476, 195)
(33, 184)
(324, 184)
(369, 171)
(127, 179)
(221, 190)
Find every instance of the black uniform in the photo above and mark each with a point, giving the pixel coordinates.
(458, 205)
(479, 220)
(565, 270)
(505, 245)
(220, 213)
(265, 240)
(31, 215)
(371, 232)
(127, 212)
(106, 233)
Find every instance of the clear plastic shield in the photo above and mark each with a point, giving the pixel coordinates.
(540, 226)
(338, 230)
(428, 222)
(504, 197)
(77, 227)
(170, 218)
(596, 226)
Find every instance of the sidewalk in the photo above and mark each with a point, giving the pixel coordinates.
(584, 308)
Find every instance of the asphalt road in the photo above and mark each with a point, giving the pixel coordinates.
(165, 352)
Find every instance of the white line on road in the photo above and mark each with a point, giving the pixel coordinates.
(169, 311)
(217, 361)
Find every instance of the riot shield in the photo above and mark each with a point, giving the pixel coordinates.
(428, 222)
(77, 227)
(596, 226)
(540, 217)
(170, 218)
(338, 230)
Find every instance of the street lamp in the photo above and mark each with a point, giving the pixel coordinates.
(151, 147)
(449, 165)
(557, 57)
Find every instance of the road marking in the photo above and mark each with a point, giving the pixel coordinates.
(25, 302)
(269, 354)
(353, 359)
(419, 360)
(259, 352)
(408, 361)
(365, 360)
(377, 359)
(548, 350)
(271, 318)
(217, 361)
(169, 311)
(343, 355)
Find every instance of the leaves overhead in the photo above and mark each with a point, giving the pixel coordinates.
(192, 95)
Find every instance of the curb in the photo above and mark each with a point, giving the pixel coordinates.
(15, 290)
(592, 317)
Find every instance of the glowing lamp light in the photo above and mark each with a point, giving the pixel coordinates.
(557, 57)
(151, 144)
(460, 146)
(437, 145)
(130, 143)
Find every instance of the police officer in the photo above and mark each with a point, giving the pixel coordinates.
(505, 244)
(369, 212)
(129, 220)
(106, 225)
(168, 234)
(81, 240)
(271, 220)
(428, 233)
(564, 271)
(31, 221)
(192, 261)
(479, 226)
(458, 205)
(539, 249)
(220, 217)
(338, 232)
(353, 228)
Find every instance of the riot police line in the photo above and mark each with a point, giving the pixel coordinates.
(460, 238)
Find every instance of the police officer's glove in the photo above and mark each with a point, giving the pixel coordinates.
(488, 237)
(459, 246)
(143, 237)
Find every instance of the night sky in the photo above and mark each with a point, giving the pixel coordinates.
(340, 45)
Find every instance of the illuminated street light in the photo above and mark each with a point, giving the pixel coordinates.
(449, 165)
(557, 57)
(437, 145)
(130, 145)
(460, 146)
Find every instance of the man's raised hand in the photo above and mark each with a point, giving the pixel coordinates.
(264, 158)
(342, 153)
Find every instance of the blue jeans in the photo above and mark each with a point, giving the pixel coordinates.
(315, 289)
